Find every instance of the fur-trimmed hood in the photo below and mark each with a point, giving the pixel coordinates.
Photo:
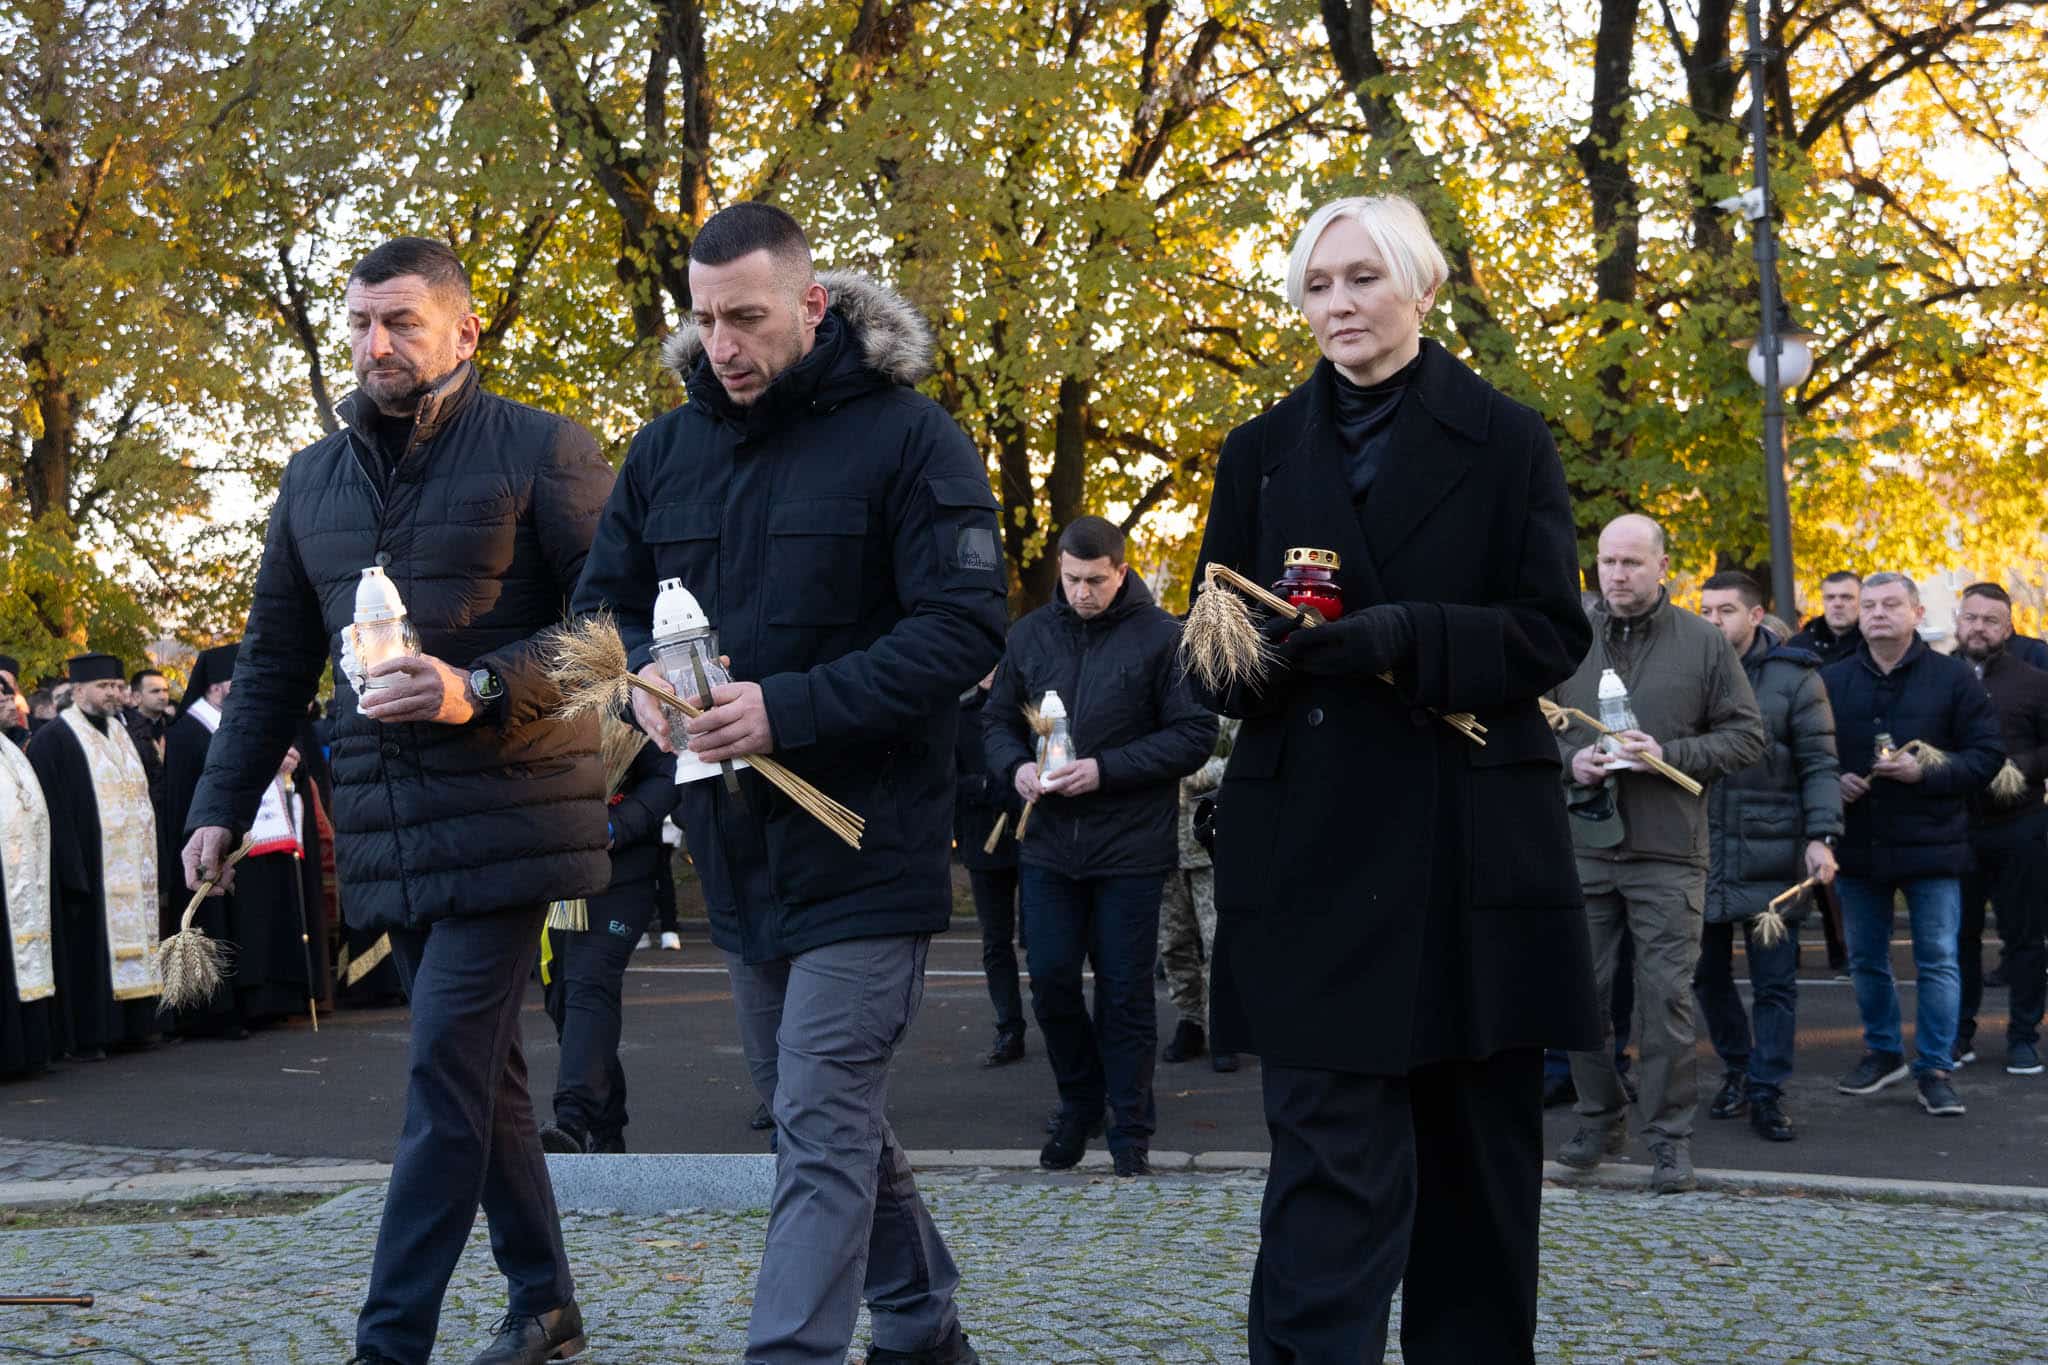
(894, 339)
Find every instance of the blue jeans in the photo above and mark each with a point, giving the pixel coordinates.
(1114, 921)
(1935, 907)
(1774, 986)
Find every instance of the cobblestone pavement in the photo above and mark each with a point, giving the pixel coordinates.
(22, 1161)
(1096, 1272)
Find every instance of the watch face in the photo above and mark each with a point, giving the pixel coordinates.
(485, 683)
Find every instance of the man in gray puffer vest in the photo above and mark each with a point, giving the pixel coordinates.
(1771, 826)
(1695, 711)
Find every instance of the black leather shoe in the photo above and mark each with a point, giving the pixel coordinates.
(1769, 1122)
(762, 1120)
(564, 1139)
(525, 1339)
(1223, 1061)
(957, 1351)
(1062, 1151)
(1188, 1043)
(1732, 1101)
(1131, 1161)
(1052, 1124)
(1008, 1048)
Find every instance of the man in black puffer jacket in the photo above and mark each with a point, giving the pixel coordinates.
(839, 530)
(1103, 833)
(461, 807)
(1769, 826)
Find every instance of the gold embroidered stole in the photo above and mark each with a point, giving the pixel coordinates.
(127, 854)
(25, 863)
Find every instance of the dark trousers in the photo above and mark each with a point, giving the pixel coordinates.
(585, 1001)
(2012, 874)
(1831, 928)
(1773, 984)
(1115, 922)
(995, 906)
(1429, 1182)
(469, 1135)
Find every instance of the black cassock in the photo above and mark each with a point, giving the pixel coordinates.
(259, 917)
(87, 1017)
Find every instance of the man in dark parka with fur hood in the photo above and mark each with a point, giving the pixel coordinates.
(839, 531)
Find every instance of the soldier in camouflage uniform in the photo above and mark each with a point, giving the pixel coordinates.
(1187, 919)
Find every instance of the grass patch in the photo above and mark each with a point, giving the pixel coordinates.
(39, 1217)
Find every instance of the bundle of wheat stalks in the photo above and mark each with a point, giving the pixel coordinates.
(191, 965)
(587, 662)
(1221, 644)
(2010, 786)
(1562, 718)
(1770, 926)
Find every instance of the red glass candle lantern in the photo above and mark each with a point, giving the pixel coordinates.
(1310, 581)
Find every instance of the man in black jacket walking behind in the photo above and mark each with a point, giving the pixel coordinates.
(839, 530)
(1906, 829)
(2008, 835)
(1103, 832)
(461, 806)
(1769, 826)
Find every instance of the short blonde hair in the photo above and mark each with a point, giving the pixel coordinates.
(1399, 233)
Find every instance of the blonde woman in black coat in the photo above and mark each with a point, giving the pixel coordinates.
(1399, 928)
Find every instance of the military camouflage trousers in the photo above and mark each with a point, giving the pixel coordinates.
(1187, 939)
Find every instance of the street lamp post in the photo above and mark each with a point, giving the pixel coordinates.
(1757, 59)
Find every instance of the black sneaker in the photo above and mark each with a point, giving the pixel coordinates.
(1560, 1090)
(1223, 1061)
(1732, 1102)
(2022, 1059)
(563, 1139)
(1768, 1121)
(1062, 1151)
(762, 1120)
(1131, 1161)
(1938, 1097)
(1968, 1056)
(1008, 1048)
(536, 1338)
(1872, 1074)
(1188, 1043)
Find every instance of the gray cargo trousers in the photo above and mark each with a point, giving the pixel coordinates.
(1661, 905)
(818, 1030)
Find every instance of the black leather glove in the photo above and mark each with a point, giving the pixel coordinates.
(1359, 644)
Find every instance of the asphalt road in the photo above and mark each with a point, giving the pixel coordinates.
(339, 1092)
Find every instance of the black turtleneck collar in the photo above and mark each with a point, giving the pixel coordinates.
(1363, 416)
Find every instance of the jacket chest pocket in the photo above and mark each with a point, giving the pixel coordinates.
(816, 549)
(683, 537)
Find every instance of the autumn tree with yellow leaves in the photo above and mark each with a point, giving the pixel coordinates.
(1089, 199)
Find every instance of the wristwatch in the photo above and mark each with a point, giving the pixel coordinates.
(485, 685)
(1830, 840)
